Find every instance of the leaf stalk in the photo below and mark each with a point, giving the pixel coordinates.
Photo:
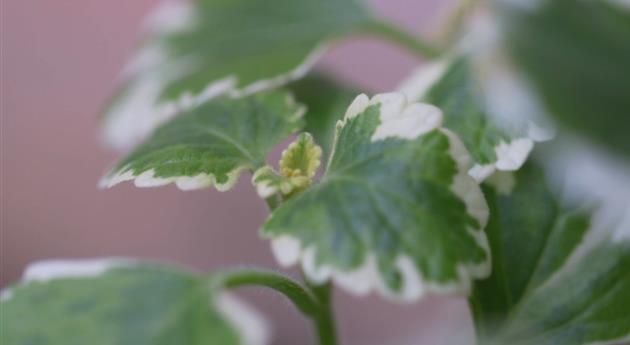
(390, 32)
(312, 301)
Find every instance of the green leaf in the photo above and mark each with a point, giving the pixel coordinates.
(585, 304)
(395, 210)
(211, 144)
(194, 50)
(523, 217)
(326, 102)
(495, 142)
(122, 302)
(546, 287)
(575, 54)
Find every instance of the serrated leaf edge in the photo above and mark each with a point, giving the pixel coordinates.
(510, 155)
(147, 178)
(288, 249)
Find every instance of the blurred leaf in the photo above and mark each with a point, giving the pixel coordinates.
(586, 303)
(395, 210)
(132, 304)
(197, 49)
(211, 144)
(451, 85)
(326, 102)
(540, 292)
(576, 54)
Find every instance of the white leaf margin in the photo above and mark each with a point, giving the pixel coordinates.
(501, 84)
(251, 326)
(139, 111)
(407, 121)
(265, 188)
(147, 178)
(506, 92)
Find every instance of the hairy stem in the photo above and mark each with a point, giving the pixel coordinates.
(393, 33)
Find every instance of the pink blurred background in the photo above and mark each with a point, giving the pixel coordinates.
(60, 59)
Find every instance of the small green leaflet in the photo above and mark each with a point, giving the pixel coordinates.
(395, 211)
(298, 167)
(114, 301)
(211, 144)
(575, 54)
(546, 286)
(195, 50)
(451, 85)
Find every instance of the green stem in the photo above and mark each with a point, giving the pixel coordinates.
(393, 33)
(324, 320)
(475, 310)
(314, 302)
(302, 299)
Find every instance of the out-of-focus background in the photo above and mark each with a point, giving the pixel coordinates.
(60, 60)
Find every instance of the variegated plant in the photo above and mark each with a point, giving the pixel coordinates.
(426, 190)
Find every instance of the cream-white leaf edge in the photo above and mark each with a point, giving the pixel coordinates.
(131, 120)
(510, 155)
(251, 326)
(147, 178)
(407, 121)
